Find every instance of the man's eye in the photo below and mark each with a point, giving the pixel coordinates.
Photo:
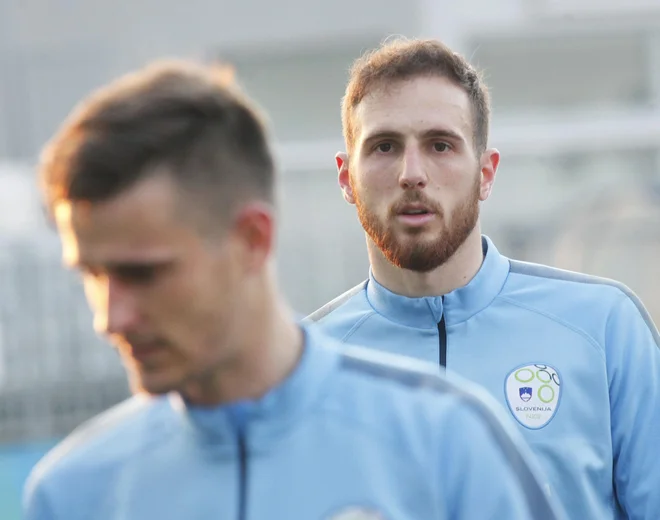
(440, 147)
(384, 147)
(135, 273)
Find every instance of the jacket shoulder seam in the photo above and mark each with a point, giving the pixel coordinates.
(357, 325)
(334, 304)
(559, 321)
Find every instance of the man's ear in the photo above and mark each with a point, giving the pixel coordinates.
(344, 177)
(255, 227)
(490, 160)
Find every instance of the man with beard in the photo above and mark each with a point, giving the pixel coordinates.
(162, 188)
(574, 358)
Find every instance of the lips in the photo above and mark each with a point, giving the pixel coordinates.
(414, 209)
(414, 214)
(142, 351)
(145, 353)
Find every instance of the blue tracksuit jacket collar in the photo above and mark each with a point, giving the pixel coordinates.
(263, 419)
(457, 306)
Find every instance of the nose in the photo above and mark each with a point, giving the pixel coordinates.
(118, 313)
(413, 174)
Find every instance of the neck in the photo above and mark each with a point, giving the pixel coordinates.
(453, 274)
(269, 349)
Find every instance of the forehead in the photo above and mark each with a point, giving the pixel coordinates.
(415, 105)
(139, 224)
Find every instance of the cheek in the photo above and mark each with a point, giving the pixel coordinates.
(215, 293)
(383, 173)
(206, 301)
(456, 179)
(180, 302)
(195, 317)
(375, 186)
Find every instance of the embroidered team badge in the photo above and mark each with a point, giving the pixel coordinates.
(533, 393)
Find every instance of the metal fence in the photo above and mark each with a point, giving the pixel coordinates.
(54, 371)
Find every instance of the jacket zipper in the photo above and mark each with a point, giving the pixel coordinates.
(242, 476)
(442, 338)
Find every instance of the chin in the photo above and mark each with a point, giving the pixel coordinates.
(154, 384)
(415, 241)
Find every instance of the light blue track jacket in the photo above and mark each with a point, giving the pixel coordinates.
(350, 435)
(573, 358)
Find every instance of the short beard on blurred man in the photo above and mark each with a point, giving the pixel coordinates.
(406, 249)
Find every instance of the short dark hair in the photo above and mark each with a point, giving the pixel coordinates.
(188, 118)
(401, 59)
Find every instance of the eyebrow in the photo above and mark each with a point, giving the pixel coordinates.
(443, 133)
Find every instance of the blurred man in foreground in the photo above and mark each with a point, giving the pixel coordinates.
(574, 358)
(161, 186)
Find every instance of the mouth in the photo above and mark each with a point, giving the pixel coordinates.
(415, 214)
(414, 208)
(145, 352)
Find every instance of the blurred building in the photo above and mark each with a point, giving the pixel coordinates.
(576, 93)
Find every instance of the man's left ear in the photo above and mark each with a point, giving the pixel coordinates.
(490, 160)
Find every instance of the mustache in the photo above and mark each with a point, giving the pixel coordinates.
(414, 197)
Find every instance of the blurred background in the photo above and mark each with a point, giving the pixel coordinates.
(576, 94)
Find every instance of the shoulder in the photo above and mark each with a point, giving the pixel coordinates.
(409, 406)
(96, 445)
(437, 418)
(570, 295)
(345, 312)
(338, 302)
(560, 280)
(415, 384)
(590, 304)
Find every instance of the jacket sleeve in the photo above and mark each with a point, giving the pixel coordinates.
(633, 366)
(490, 472)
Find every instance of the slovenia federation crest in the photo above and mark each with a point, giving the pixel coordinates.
(533, 393)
